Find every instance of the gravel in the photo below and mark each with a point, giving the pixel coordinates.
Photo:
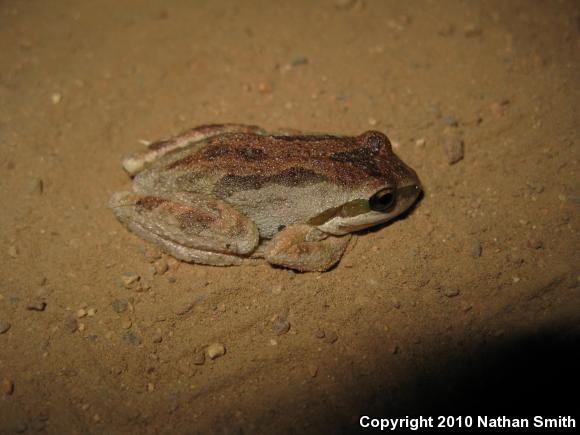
(4, 326)
(319, 333)
(161, 266)
(216, 350)
(120, 305)
(280, 326)
(130, 280)
(476, 250)
(199, 358)
(450, 292)
(71, 325)
(535, 243)
(7, 387)
(454, 148)
(330, 337)
(36, 306)
(133, 339)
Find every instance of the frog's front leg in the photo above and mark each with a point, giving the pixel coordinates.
(305, 248)
(191, 227)
(135, 163)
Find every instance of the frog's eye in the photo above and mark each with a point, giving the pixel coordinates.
(383, 200)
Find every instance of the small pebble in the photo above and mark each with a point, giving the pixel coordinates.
(451, 121)
(130, 280)
(454, 148)
(36, 186)
(216, 350)
(496, 109)
(71, 325)
(4, 326)
(199, 358)
(299, 60)
(120, 305)
(264, 88)
(319, 333)
(373, 122)
(472, 30)
(277, 289)
(466, 306)
(535, 243)
(476, 250)
(56, 98)
(81, 327)
(127, 324)
(81, 313)
(91, 312)
(161, 266)
(7, 387)
(450, 292)
(13, 251)
(184, 308)
(280, 326)
(330, 337)
(150, 387)
(313, 370)
(157, 338)
(36, 306)
(151, 253)
(420, 142)
(133, 339)
(173, 263)
(395, 349)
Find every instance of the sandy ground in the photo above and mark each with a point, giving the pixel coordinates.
(470, 304)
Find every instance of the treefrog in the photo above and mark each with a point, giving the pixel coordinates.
(217, 194)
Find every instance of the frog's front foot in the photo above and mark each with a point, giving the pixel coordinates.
(304, 248)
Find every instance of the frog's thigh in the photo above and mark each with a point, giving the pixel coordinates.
(135, 163)
(183, 252)
(190, 227)
(291, 248)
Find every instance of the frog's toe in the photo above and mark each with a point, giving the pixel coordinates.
(293, 249)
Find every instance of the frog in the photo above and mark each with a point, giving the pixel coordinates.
(222, 194)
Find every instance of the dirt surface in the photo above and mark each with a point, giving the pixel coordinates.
(471, 303)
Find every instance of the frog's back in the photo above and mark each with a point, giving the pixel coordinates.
(278, 180)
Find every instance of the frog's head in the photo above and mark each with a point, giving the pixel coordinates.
(389, 190)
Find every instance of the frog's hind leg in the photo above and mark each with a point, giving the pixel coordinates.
(304, 248)
(190, 227)
(135, 163)
(185, 253)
